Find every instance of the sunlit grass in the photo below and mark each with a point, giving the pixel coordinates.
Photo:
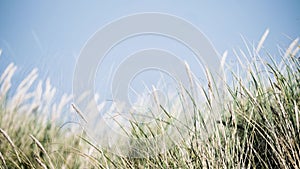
(259, 127)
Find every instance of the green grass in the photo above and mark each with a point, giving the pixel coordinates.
(259, 127)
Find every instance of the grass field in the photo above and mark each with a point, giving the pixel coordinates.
(259, 127)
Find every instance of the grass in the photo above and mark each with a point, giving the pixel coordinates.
(259, 126)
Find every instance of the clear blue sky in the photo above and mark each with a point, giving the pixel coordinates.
(50, 34)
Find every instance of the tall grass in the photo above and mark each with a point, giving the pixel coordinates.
(259, 126)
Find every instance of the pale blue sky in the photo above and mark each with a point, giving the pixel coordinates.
(49, 35)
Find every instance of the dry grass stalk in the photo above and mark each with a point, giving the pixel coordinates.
(40, 162)
(78, 112)
(5, 135)
(3, 160)
(40, 146)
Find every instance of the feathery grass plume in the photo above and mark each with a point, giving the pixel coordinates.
(5, 80)
(262, 40)
(296, 51)
(22, 92)
(289, 50)
(56, 110)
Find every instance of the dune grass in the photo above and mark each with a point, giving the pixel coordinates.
(259, 128)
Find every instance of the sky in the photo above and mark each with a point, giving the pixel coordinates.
(49, 35)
